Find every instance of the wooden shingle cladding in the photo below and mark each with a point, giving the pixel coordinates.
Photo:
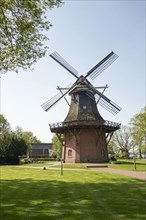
(83, 106)
(41, 150)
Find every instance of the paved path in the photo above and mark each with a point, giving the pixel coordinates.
(134, 174)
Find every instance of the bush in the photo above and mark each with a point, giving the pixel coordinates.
(115, 162)
(41, 160)
(113, 158)
(24, 161)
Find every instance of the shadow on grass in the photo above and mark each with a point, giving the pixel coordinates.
(58, 199)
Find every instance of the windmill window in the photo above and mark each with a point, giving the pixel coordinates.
(84, 107)
(69, 153)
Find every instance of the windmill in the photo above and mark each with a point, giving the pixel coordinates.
(85, 133)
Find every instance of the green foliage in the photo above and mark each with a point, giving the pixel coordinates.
(10, 153)
(23, 25)
(125, 164)
(112, 148)
(139, 121)
(129, 137)
(138, 126)
(57, 147)
(121, 142)
(13, 144)
(4, 125)
(27, 136)
(123, 153)
(23, 161)
(42, 160)
(5, 138)
(113, 158)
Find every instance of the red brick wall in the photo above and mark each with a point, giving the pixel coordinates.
(86, 145)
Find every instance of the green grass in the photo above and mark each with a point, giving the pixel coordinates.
(37, 194)
(124, 165)
(56, 165)
(72, 166)
(37, 164)
(129, 165)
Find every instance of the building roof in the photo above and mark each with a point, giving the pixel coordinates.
(42, 146)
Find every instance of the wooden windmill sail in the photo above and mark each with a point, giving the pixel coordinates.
(86, 133)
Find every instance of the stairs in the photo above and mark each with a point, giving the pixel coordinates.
(97, 166)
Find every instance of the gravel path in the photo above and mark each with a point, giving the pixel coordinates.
(134, 174)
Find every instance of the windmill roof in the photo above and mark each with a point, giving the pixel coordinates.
(41, 146)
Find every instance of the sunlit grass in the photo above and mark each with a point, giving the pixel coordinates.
(72, 166)
(38, 194)
(129, 165)
(56, 165)
(37, 164)
(123, 164)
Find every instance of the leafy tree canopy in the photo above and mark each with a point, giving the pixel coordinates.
(22, 30)
(139, 121)
(4, 125)
(14, 143)
(57, 147)
(138, 127)
(122, 140)
(28, 136)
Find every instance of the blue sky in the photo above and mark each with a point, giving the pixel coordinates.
(83, 32)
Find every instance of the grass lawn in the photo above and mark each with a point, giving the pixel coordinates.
(57, 165)
(72, 166)
(38, 194)
(129, 165)
(124, 165)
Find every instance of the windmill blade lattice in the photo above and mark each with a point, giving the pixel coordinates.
(103, 100)
(51, 102)
(64, 63)
(82, 80)
(108, 105)
(102, 65)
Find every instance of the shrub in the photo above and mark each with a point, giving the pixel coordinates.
(24, 161)
(38, 160)
(113, 158)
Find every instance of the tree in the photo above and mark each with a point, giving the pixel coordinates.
(22, 30)
(57, 148)
(122, 140)
(14, 144)
(138, 126)
(27, 136)
(4, 125)
(5, 140)
(112, 148)
(16, 148)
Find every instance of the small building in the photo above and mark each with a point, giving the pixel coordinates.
(41, 150)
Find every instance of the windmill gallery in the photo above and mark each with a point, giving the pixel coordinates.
(85, 133)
